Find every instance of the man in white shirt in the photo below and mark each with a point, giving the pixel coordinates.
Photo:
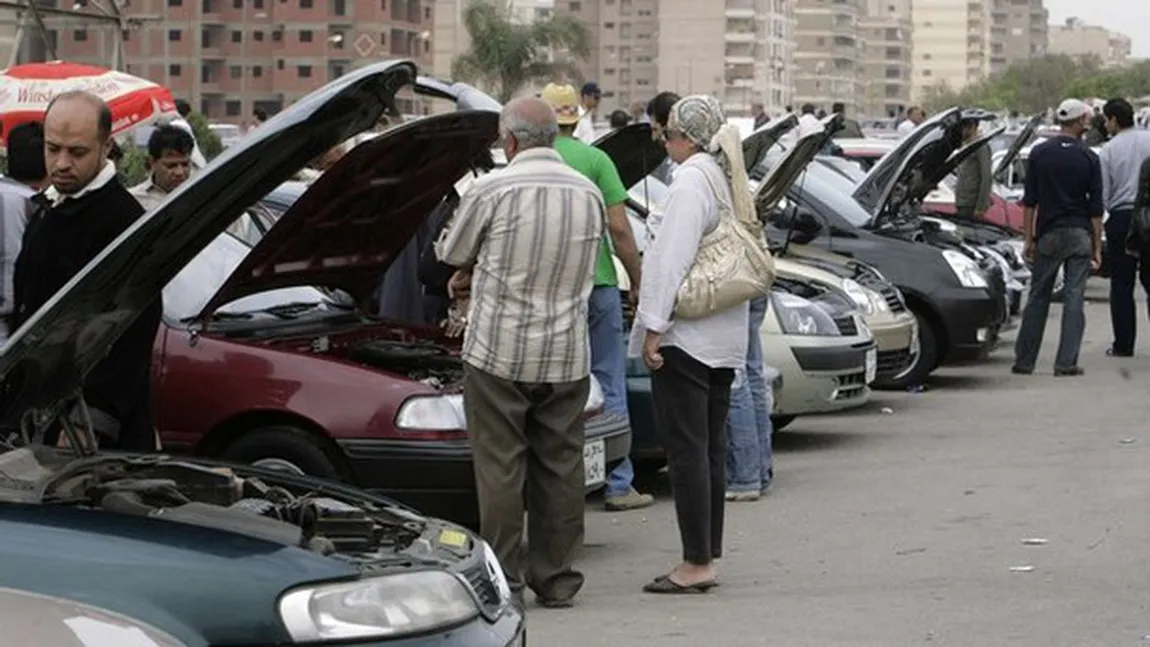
(26, 175)
(808, 121)
(585, 130)
(169, 164)
(914, 116)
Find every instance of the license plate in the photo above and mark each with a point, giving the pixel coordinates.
(594, 463)
(871, 364)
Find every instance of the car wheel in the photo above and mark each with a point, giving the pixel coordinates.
(922, 364)
(284, 448)
(779, 423)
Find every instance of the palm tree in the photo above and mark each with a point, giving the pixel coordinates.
(505, 56)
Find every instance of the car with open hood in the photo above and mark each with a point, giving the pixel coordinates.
(269, 354)
(228, 554)
(35, 620)
(960, 306)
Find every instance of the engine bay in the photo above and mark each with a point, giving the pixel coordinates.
(156, 486)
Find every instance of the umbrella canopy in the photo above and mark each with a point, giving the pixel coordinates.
(26, 90)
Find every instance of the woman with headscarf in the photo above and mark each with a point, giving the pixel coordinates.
(693, 361)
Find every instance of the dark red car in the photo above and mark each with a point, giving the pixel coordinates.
(268, 356)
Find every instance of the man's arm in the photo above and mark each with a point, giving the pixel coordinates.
(1029, 200)
(1096, 206)
(1104, 163)
(985, 181)
(622, 238)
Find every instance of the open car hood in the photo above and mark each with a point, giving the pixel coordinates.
(759, 143)
(875, 189)
(1019, 143)
(792, 163)
(44, 363)
(635, 154)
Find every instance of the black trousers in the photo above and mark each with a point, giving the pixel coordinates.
(691, 402)
(1125, 270)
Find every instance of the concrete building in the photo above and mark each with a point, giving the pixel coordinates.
(1024, 26)
(952, 44)
(830, 53)
(230, 57)
(1076, 38)
(886, 30)
(738, 50)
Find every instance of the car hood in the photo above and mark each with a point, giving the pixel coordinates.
(634, 152)
(1019, 143)
(784, 172)
(881, 181)
(808, 272)
(44, 363)
(759, 143)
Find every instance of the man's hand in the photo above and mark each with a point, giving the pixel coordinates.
(456, 321)
(459, 285)
(1096, 260)
(651, 355)
(1028, 251)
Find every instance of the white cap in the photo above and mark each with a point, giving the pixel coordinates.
(1071, 110)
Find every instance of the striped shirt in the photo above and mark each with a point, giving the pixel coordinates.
(531, 233)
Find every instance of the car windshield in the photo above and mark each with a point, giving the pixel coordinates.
(187, 294)
(833, 191)
(650, 192)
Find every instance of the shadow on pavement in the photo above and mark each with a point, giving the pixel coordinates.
(809, 441)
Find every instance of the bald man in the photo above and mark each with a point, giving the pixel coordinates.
(83, 209)
(529, 234)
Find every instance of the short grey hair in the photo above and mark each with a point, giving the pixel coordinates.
(531, 121)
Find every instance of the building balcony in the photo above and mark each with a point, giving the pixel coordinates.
(738, 59)
(738, 12)
(211, 87)
(212, 52)
(740, 37)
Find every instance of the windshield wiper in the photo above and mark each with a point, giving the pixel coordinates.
(217, 316)
(291, 309)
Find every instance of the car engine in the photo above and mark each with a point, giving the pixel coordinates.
(426, 362)
(207, 496)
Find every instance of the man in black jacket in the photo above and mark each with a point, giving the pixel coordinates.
(82, 211)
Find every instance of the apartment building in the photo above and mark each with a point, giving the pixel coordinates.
(1023, 24)
(830, 53)
(952, 44)
(230, 57)
(886, 31)
(737, 50)
(1076, 38)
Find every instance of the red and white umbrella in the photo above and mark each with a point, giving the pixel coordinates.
(26, 90)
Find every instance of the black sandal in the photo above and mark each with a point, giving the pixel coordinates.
(665, 585)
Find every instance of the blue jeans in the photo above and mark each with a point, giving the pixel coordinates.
(609, 366)
(1069, 248)
(750, 465)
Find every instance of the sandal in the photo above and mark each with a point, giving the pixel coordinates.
(664, 584)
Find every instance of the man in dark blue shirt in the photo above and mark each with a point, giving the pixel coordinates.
(1064, 186)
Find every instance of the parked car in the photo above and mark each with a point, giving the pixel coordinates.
(228, 133)
(960, 305)
(217, 554)
(35, 620)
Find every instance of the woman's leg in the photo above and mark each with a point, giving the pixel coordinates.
(679, 390)
(718, 405)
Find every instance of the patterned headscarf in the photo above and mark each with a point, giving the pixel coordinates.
(700, 119)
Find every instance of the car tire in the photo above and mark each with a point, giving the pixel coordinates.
(779, 423)
(291, 445)
(924, 364)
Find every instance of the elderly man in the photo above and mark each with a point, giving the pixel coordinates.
(80, 214)
(525, 241)
(169, 165)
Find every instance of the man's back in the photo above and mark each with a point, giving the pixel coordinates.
(597, 166)
(1121, 161)
(539, 224)
(1064, 181)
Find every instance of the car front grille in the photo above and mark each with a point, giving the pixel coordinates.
(484, 587)
(889, 292)
(893, 361)
(847, 325)
(850, 386)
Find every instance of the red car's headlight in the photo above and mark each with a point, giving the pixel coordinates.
(445, 412)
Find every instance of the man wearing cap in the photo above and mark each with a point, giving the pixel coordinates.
(1064, 186)
(585, 129)
(605, 308)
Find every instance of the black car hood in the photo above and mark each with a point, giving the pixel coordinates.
(759, 143)
(634, 152)
(44, 363)
(784, 172)
(874, 192)
(1020, 142)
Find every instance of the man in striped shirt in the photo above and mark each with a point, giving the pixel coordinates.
(525, 240)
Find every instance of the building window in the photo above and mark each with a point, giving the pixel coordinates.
(233, 108)
(427, 13)
(258, 4)
(303, 71)
(238, 4)
(575, 7)
(175, 70)
(80, 35)
(175, 3)
(175, 35)
(237, 36)
(280, 64)
(258, 36)
(305, 36)
(205, 74)
(383, 5)
(277, 36)
(236, 71)
(926, 72)
(305, 4)
(339, 8)
(257, 71)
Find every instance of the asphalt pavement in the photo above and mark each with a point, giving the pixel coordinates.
(990, 510)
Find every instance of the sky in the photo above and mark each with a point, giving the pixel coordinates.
(1130, 17)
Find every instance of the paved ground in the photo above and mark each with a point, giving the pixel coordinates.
(899, 524)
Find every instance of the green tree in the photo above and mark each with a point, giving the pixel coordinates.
(208, 141)
(134, 165)
(505, 56)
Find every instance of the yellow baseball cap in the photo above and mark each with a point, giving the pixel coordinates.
(564, 100)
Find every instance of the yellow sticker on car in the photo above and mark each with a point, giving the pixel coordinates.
(452, 538)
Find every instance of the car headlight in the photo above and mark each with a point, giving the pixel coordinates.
(880, 304)
(377, 607)
(859, 295)
(444, 412)
(798, 316)
(965, 269)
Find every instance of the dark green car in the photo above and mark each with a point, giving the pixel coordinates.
(214, 554)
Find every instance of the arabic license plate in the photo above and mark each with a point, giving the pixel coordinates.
(871, 364)
(594, 463)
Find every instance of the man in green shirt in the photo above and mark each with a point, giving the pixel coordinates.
(605, 308)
